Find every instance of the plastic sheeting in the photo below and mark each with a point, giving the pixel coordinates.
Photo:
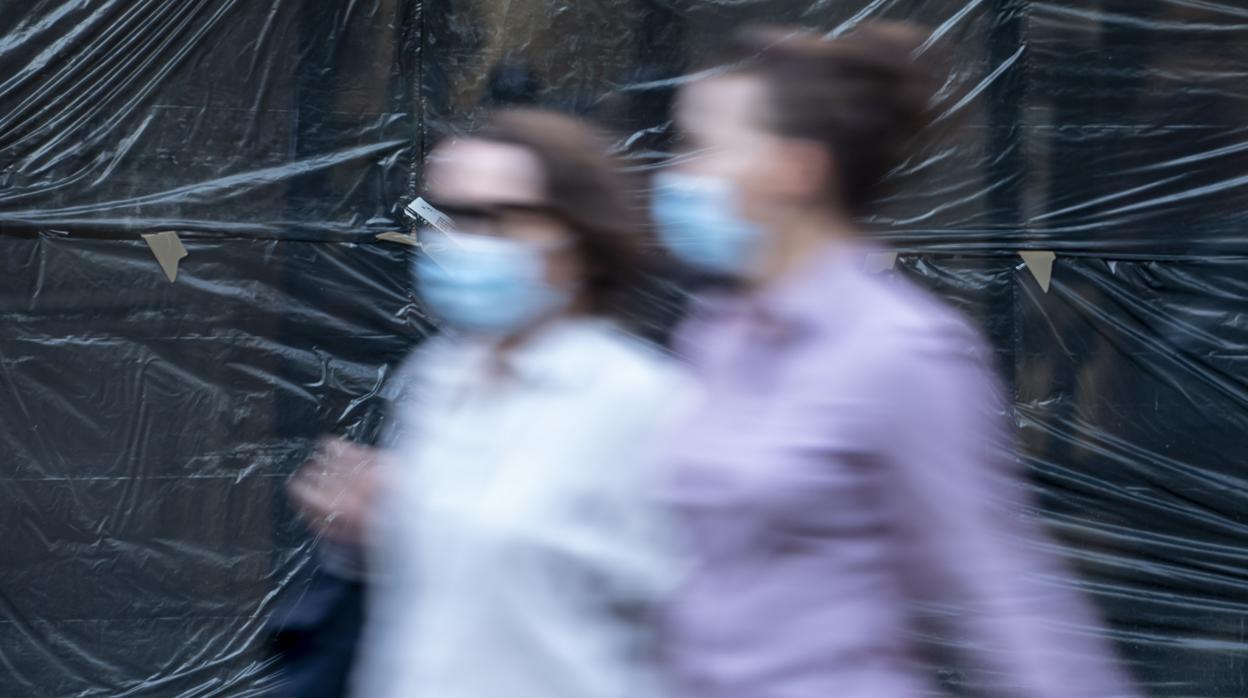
(146, 427)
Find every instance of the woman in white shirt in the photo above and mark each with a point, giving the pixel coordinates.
(515, 546)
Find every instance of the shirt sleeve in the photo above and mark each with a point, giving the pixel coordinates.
(403, 391)
(968, 548)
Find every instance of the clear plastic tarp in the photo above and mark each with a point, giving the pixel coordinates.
(147, 427)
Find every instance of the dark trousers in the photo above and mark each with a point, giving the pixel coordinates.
(315, 635)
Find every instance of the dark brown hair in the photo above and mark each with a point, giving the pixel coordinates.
(587, 190)
(864, 96)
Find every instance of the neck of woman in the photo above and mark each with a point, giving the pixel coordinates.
(505, 345)
(795, 239)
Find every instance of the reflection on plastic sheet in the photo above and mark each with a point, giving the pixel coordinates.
(146, 428)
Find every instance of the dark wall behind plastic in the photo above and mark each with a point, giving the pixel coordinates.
(146, 428)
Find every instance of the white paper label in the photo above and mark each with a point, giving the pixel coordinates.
(423, 210)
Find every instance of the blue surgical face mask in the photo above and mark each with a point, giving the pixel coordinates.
(486, 284)
(698, 222)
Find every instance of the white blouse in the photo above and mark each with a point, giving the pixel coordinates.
(520, 548)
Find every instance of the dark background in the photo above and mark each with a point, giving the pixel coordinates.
(146, 428)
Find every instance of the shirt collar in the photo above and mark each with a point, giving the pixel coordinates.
(556, 357)
(819, 295)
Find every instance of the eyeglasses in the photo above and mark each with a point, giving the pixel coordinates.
(492, 217)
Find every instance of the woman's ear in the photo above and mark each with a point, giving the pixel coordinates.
(567, 268)
(806, 170)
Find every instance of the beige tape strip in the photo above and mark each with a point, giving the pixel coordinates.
(168, 250)
(400, 238)
(879, 262)
(1040, 263)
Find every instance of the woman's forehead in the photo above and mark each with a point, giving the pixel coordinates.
(476, 170)
(714, 103)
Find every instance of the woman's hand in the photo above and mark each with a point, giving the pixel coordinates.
(335, 491)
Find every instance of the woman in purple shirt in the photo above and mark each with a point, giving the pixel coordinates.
(849, 473)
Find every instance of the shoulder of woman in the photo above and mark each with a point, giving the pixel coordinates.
(437, 359)
(909, 322)
(630, 364)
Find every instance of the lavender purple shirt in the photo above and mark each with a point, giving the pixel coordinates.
(848, 474)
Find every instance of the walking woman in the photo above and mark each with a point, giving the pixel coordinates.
(848, 464)
(513, 539)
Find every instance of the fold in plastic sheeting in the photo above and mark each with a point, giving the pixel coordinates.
(147, 427)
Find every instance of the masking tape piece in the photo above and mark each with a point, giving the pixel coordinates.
(879, 262)
(423, 210)
(1040, 263)
(168, 250)
(401, 238)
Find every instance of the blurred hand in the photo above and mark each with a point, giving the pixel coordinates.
(336, 489)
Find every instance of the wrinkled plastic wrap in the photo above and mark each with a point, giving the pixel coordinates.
(147, 427)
